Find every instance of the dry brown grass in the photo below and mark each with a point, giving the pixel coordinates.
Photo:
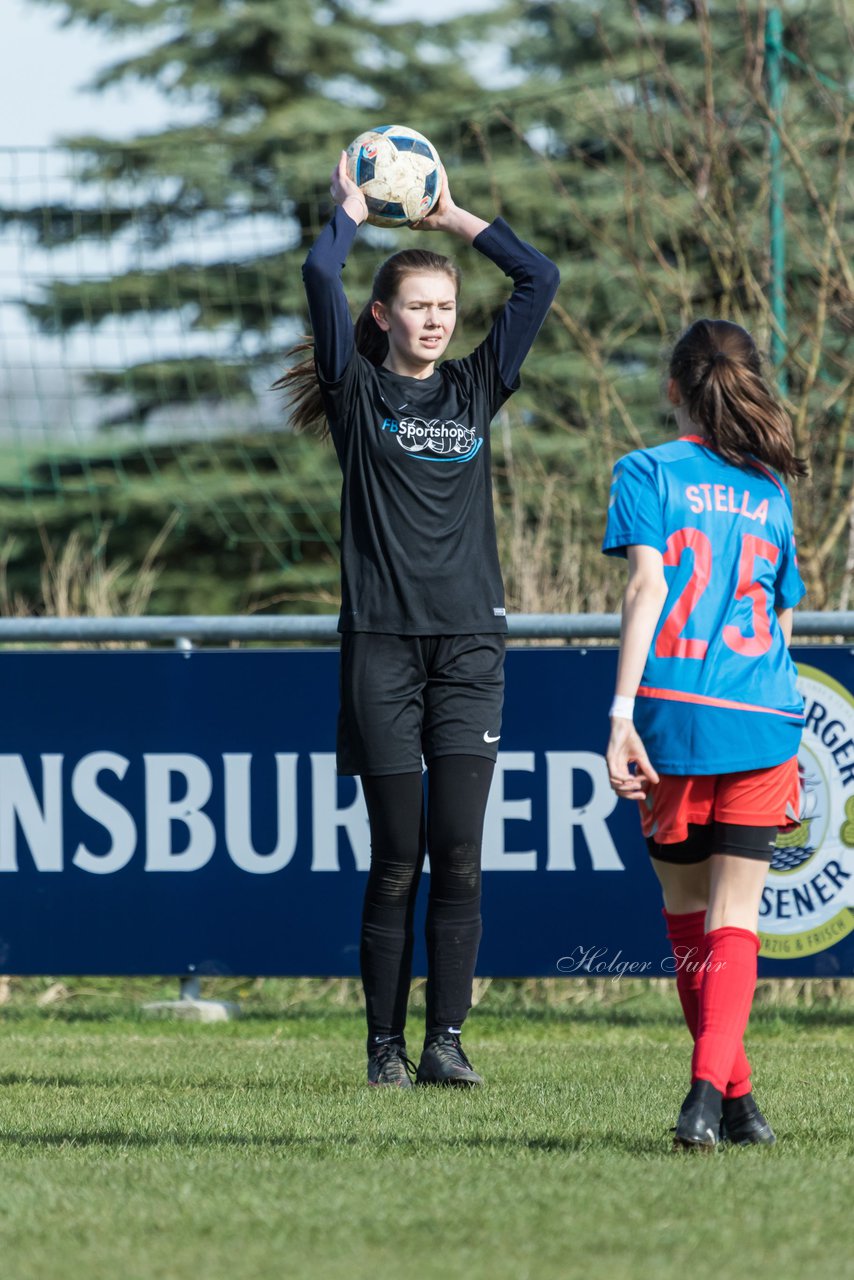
(78, 580)
(492, 994)
(549, 562)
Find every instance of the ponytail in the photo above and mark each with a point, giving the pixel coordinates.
(304, 402)
(306, 410)
(718, 370)
(371, 341)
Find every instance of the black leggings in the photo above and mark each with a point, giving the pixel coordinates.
(457, 791)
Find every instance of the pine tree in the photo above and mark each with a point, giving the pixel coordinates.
(633, 149)
(650, 126)
(280, 88)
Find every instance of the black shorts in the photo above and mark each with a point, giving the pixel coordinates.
(404, 697)
(756, 843)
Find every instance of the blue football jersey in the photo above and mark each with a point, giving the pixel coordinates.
(718, 692)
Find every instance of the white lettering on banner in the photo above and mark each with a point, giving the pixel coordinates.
(31, 813)
(41, 825)
(326, 818)
(161, 812)
(496, 857)
(238, 816)
(104, 810)
(564, 816)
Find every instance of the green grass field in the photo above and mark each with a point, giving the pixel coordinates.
(133, 1149)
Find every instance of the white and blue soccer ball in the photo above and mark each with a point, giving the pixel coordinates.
(399, 171)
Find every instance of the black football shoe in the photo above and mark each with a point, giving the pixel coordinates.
(698, 1126)
(389, 1065)
(443, 1062)
(744, 1124)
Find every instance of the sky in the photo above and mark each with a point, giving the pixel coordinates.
(43, 67)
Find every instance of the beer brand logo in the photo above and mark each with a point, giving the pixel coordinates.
(808, 900)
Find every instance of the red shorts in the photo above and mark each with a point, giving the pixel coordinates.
(753, 798)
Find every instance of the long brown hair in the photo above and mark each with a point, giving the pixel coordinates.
(300, 380)
(718, 370)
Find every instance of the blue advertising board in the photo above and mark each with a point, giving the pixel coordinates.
(171, 812)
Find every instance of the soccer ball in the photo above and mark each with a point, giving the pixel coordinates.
(399, 171)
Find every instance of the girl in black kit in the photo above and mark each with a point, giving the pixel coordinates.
(422, 612)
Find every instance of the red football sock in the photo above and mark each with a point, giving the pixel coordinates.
(686, 932)
(726, 994)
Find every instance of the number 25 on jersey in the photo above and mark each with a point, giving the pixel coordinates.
(671, 643)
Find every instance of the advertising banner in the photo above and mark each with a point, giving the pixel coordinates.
(176, 812)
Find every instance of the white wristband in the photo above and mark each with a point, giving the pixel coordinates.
(622, 707)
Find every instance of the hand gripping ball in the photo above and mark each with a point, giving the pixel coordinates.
(399, 172)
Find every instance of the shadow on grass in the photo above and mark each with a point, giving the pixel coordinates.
(623, 1014)
(668, 1015)
(330, 1146)
(274, 1080)
(133, 1015)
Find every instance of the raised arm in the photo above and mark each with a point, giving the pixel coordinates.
(327, 303)
(535, 279)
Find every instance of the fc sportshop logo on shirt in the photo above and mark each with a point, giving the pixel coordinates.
(434, 441)
(808, 900)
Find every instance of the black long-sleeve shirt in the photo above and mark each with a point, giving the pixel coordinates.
(418, 548)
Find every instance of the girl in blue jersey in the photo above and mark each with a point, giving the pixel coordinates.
(707, 718)
(422, 609)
